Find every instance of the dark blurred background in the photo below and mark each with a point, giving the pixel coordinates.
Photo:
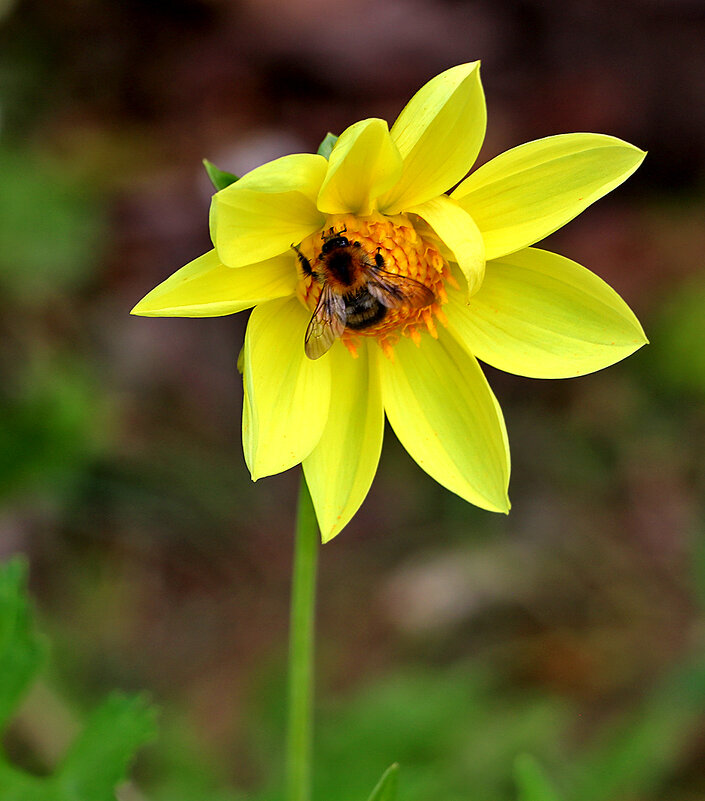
(450, 639)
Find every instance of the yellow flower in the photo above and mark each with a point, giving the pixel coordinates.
(378, 205)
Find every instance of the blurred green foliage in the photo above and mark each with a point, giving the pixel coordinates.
(21, 649)
(679, 334)
(635, 755)
(452, 732)
(456, 734)
(99, 757)
(52, 412)
(531, 781)
(52, 423)
(51, 229)
(386, 787)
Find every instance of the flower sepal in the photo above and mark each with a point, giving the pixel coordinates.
(328, 143)
(219, 178)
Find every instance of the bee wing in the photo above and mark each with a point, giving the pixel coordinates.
(326, 324)
(393, 290)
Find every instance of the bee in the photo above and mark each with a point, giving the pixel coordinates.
(357, 290)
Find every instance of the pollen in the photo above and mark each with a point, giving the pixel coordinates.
(405, 252)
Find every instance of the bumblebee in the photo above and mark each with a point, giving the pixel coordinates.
(356, 290)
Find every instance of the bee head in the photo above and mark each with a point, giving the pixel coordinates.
(333, 242)
(334, 239)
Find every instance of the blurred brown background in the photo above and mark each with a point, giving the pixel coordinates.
(450, 639)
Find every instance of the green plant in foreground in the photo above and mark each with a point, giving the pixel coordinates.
(466, 730)
(97, 760)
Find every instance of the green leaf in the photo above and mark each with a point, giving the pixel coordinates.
(21, 649)
(220, 178)
(98, 759)
(327, 145)
(386, 789)
(531, 781)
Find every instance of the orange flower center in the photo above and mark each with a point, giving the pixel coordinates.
(347, 255)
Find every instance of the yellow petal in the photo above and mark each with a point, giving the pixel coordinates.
(528, 192)
(206, 288)
(341, 467)
(287, 395)
(457, 230)
(540, 315)
(439, 135)
(247, 435)
(268, 210)
(445, 415)
(363, 164)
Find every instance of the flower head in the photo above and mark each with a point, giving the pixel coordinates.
(374, 292)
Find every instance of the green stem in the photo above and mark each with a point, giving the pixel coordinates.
(301, 651)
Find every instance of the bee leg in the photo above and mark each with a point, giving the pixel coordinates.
(305, 263)
(379, 259)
